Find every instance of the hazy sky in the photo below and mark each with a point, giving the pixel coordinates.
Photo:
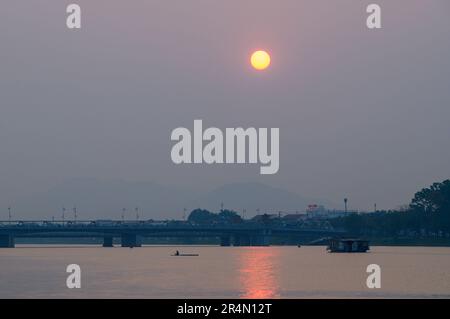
(362, 114)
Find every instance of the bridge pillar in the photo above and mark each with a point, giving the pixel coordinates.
(237, 240)
(245, 240)
(262, 239)
(242, 240)
(225, 241)
(131, 240)
(108, 241)
(7, 241)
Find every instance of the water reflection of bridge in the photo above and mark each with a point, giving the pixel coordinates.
(132, 232)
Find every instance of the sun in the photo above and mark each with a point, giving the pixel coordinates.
(260, 60)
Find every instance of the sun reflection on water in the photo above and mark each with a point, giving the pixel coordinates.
(257, 273)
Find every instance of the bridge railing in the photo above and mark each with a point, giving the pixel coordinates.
(149, 226)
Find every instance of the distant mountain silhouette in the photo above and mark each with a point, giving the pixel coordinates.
(252, 196)
(105, 199)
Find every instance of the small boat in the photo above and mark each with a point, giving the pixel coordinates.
(184, 255)
(348, 245)
(177, 254)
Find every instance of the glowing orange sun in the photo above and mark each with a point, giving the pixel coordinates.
(260, 60)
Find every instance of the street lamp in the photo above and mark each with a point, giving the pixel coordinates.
(75, 213)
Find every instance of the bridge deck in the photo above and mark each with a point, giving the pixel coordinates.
(131, 231)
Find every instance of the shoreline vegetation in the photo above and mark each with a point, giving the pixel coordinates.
(425, 221)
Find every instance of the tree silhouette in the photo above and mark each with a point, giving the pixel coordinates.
(202, 217)
(434, 199)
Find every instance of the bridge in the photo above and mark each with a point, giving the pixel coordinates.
(131, 233)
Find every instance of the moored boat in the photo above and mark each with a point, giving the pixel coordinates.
(348, 245)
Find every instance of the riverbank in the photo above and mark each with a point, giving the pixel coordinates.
(415, 242)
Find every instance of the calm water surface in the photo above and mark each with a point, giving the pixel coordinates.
(222, 272)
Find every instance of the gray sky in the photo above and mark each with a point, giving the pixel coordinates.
(362, 114)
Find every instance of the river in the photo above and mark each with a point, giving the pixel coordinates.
(29, 271)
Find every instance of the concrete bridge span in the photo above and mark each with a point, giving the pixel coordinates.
(132, 232)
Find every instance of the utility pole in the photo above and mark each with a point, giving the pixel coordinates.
(75, 213)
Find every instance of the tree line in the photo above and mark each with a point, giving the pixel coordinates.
(428, 215)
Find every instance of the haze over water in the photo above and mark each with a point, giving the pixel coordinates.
(228, 272)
